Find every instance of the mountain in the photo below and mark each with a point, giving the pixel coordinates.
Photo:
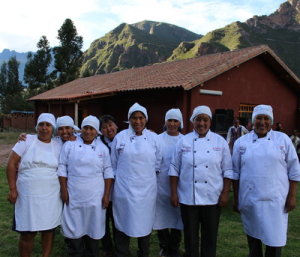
(133, 45)
(280, 30)
(21, 57)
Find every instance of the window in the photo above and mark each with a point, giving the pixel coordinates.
(246, 110)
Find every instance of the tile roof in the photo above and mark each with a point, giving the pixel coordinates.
(186, 73)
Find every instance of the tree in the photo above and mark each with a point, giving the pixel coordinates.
(36, 72)
(11, 89)
(68, 55)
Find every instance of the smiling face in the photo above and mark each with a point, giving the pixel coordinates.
(88, 134)
(262, 125)
(172, 127)
(202, 124)
(44, 131)
(109, 129)
(65, 132)
(138, 122)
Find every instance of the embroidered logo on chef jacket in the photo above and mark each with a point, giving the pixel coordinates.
(186, 149)
(120, 148)
(242, 149)
(217, 148)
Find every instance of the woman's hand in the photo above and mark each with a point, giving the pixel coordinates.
(22, 137)
(105, 201)
(64, 195)
(290, 203)
(223, 199)
(174, 200)
(12, 196)
(236, 206)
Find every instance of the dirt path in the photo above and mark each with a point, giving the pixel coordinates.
(4, 152)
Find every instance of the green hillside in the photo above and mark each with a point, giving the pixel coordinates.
(280, 30)
(133, 45)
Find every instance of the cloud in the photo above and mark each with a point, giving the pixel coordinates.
(26, 21)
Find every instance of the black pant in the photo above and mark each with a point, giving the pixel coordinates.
(122, 245)
(208, 216)
(255, 248)
(169, 239)
(82, 247)
(107, 240)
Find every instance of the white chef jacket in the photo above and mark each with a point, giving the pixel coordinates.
(86, 166)
(166, 215)
(201, 164)
(38, 206)
(135, 160)
(264, 167)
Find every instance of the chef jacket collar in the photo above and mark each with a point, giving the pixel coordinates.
(255, 136)
(207, 136)
(131, 132)
(93, 144)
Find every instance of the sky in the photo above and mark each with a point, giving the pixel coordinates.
(23, 22)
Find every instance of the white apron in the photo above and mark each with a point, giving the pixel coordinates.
(134, 196)
(84, 214)
(38, 206)
(166, 215)
(263, 190)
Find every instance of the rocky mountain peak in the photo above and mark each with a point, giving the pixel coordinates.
(286, 17)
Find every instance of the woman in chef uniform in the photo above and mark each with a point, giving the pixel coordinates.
(200, 170)
(85, 176)
(266, 169)
(136, 156)
(66, 129)
(34, 186)
(168, 221)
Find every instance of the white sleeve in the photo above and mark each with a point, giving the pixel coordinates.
(158, 154)
(228, 138)
(21, 146)
(244, 130)
(107, 169)
(226, 164)
(175, 164)
(236, 160)
(62, 170)
(114, 155)
(293, 166)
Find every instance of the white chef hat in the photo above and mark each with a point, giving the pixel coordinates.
(202, 109)
(65, 121)
(264, 110)
(174, 114)
(137, 108)
(46, 117)
(91, 121)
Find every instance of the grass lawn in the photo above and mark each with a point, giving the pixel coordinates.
(231, 241)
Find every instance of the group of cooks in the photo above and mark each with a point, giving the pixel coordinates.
(136, 181)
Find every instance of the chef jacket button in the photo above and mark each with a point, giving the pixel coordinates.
(79, 145)
(205, 182)
(208, 139)
(195, 181)
(195, 151)
(207, 151)
(269, 138)
(195, 166)
(195, 139)
(206, 166)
